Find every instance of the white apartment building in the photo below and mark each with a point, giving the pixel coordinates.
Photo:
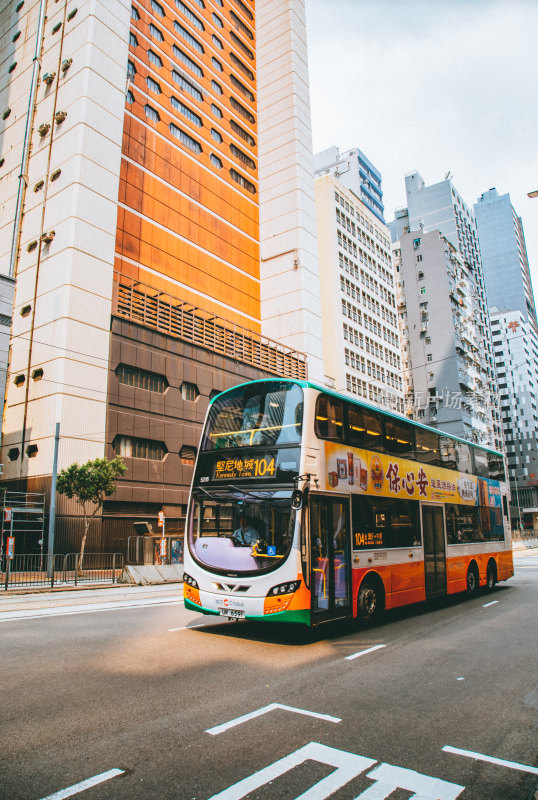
(516, 357)
(361, 346)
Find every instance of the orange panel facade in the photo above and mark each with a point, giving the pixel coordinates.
(188, 218)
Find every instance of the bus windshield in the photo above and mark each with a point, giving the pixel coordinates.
(241, 532)
(268, 413)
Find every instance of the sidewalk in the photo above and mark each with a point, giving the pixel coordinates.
(12, 601)
(524, 544)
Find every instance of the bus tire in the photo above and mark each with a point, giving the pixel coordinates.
(370, 601)
(491, 576)
(472, 579)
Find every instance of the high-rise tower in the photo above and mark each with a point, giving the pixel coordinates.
(133, 231)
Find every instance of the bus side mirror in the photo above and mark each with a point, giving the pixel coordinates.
(297, 499)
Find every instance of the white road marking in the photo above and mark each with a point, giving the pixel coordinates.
(271, 707)
(90, 608)
(492, 760)
(80, 787)
(348, 766)
(389, 778)
(490, 604)
(363, 652)
(189, 627)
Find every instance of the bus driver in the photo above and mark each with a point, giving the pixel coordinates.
(245, 535)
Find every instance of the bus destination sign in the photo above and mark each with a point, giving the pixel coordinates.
(244, 468)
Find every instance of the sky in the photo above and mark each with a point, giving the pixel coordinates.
(433, 85)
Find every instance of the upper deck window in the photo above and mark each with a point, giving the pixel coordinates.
(267, 413)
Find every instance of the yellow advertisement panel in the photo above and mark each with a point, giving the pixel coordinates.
(363, 472)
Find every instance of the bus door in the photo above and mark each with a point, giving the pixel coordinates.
(433, 537)
(330, 557)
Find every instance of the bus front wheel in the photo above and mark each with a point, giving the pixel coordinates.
(472, 580)
(369, 601)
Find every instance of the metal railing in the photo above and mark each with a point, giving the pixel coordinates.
(33, 570)
(150, 550)
(147, 306)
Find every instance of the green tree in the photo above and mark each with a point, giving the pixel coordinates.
(89, 484)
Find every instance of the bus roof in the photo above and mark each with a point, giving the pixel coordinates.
(305, 384)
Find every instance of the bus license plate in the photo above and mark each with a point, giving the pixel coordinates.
(233, 613)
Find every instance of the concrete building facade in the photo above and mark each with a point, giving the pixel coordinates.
(440, 208)
(360, 325)
(139, 148)
(357, 173)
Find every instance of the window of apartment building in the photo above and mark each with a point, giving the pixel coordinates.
(129, 97)
(242, 46)
(155, 33)
(185, 139)
(216, 135)
(134, 14)
(157, 8)
(240, 25)
(184, 33)
(215, 160)
(422, 290)
(155, 59)
(416, 243)
(186, 111)
(242, 181)
(188, 62)
(429, 357)
(216, 111)
(216, 63)
(152, 113)
(131, 69)
(217, 88)
(217, 42)
(217, 20)
(242, 67)
(189, 391)
(242, 156)
(420, 275)
(419, 258)
(133, 447)
(185, 10)
(133, 41)
(187, 454)
(187, 86)
(140, 378)
(244, 112)
(153, 85)
(242, 88)
(247, 137)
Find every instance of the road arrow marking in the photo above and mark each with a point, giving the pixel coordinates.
(271, 707)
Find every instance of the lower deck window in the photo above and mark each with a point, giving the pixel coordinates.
(383, 522)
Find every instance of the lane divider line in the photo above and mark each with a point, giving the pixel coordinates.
(87, 784)
(491, 759)
(486, 605)
(363, 652)
(271, 707)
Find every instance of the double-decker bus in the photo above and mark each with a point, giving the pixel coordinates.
(308, 506)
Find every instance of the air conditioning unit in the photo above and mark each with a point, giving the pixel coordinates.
(48, 236)
(48, 77)
(43, 129)
(60, 116)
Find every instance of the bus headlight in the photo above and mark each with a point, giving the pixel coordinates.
(284, 588)
(188, 579)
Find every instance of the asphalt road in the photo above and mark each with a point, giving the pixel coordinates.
(127, 680)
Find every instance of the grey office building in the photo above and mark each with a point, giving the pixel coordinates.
(445, 272)
(515, 339)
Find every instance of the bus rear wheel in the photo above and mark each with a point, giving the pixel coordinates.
(491, 577)
(369, 602)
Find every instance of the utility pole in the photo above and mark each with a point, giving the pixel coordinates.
(52, 511)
